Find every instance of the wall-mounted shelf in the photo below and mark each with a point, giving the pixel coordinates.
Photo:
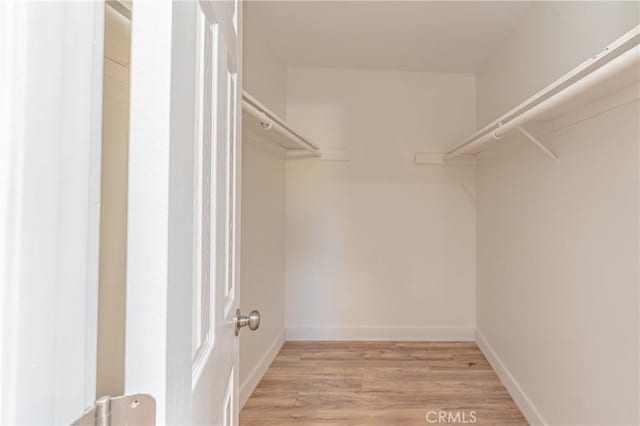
(438, 159)
(616, 67)
(262, 122)
(325, 155)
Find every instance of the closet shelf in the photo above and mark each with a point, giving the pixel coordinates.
(262, 122)
(614, 68)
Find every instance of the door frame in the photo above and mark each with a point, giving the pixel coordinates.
(151, 285)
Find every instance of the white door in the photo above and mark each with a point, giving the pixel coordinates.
(183, 222)
(50, 126)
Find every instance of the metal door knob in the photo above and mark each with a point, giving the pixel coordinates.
(252, 320)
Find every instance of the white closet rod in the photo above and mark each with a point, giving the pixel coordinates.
(570, 85)
(271, 122)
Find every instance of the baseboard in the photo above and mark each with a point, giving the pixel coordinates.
(380, 333)
(249, 385)
(521, 399)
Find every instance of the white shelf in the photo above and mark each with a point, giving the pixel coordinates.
(616, 67)
(438, 159)
(258, 120)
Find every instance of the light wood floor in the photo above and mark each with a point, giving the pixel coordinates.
(378, 383)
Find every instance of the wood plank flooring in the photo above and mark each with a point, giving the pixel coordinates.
(379, 383)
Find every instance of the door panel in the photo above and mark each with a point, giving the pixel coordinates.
(204, 267)
(183, 210)
(215, 399)
(182, 280)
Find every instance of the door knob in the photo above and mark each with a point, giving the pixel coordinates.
(252, 320)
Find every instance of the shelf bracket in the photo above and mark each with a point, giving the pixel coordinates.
(539, 144)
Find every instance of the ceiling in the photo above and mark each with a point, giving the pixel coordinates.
(438, 36)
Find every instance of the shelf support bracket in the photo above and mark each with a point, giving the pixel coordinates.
(539, 144)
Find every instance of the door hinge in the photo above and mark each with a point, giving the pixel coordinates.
(139, 409)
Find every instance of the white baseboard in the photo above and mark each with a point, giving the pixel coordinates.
(521, 399)
(249, 385)
(380, 333)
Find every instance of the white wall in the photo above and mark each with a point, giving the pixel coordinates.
(263, 215)
(265, 75)
(378, 247)
(553, 38)
(557, 291)
(263, 230)
(558, 268)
